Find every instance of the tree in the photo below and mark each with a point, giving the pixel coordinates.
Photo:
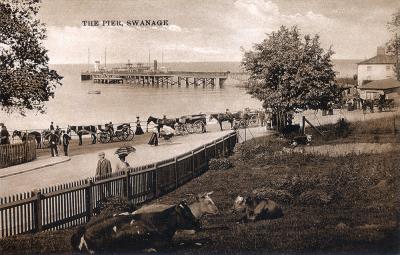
(393, 45)
(290, 74)
(26, 81)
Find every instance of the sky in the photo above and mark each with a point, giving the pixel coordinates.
(207, 30)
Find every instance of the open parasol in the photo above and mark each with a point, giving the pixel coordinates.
(125, 150)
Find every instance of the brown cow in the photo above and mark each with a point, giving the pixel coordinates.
(257, 208)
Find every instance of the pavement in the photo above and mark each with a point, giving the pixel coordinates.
(38, 163)
(45, 172)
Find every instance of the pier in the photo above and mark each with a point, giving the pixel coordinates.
(156, 78)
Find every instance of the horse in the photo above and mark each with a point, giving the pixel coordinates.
(31, 135)
(221, 117)
(84, 130)
(160, 123)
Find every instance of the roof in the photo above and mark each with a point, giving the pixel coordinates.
(382, 84)
(379, 59)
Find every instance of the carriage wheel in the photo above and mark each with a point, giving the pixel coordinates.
(253, 121)
(188, 128)
(198, 127)
(130, 136)
(103, 137)
(242, 123)
(121, 135)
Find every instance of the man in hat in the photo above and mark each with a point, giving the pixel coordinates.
(53, 140)
(103, 169)
(65, 140)
(51, 126)
(103, 165)
(4, 135)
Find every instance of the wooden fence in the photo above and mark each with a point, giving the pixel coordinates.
(72, 204)
(13, 154)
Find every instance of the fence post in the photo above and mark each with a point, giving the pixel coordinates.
(37, 210)
(215, 148)
(176, 172)
(155, 182)
(89, 199)
(303, 123)
(126, 184)
(223, 146)
(193, 165)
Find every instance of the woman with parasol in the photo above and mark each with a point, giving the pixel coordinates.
(122, 152)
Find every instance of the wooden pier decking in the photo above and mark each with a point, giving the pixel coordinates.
(172, 78)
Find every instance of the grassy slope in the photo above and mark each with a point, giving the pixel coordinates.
(358, 218)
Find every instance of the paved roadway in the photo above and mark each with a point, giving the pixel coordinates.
(83, 166)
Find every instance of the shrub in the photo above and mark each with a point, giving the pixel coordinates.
(220, 164)
(112, 205)
(277, 195)
(315, 197)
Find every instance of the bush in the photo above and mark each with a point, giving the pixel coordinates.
(315, 197)
(342, 128)
(278, 195)
(220, 164)
(113, 205)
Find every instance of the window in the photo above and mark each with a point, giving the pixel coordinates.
(369, 68)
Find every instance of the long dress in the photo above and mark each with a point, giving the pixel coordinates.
(154, 137)
(139, 130)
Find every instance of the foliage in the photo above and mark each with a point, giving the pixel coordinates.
(25, 78)
(220, 164)
(393, 46)
(288, 73)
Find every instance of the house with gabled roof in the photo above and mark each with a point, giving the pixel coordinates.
(379, 67)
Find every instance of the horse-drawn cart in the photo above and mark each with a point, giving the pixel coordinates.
(248, 119)
(122, 133)
(189, 124)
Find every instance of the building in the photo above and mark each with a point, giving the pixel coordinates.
(379, 67)
(388, 87)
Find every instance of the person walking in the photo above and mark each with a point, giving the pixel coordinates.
(65, 140)
(122, 165)
(51, 126)
(139, 130)
(102, 171)
(53, 139)
(154, 137)
(261, 117)
(4, 135)
(58, 133)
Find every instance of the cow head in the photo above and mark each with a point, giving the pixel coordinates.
(240, 204)
(207, 205)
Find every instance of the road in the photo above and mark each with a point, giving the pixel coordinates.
(84, 165)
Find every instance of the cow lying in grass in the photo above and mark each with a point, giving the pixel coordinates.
(303, 140)
(150, 226)
(257, 209)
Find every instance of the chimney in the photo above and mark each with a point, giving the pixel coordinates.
(381, 51)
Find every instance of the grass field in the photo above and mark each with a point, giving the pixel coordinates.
(346, 204)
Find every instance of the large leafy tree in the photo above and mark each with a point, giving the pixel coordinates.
(289, 72)
(26, 81)
(394, 43)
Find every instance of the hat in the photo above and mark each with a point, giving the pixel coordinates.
(137, 117)
(101, 153)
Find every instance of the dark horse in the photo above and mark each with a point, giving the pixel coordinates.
(221, 117)
(31, 135)
(160, 123)
(84, 130)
